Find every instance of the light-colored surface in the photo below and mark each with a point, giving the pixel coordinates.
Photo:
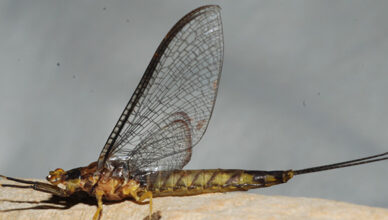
(208, 206)
(304, 83)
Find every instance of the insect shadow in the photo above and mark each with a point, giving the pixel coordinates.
(57, 202)
(54, 202)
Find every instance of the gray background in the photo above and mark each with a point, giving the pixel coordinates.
(304, 84)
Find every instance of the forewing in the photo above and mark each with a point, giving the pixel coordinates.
(172, 105)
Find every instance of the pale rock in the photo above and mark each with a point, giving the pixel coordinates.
(235, 205)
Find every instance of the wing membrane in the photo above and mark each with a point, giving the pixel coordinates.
(171, 107)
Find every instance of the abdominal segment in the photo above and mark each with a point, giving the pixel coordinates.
(192, 182)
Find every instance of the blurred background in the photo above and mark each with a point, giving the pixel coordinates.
(304, 84)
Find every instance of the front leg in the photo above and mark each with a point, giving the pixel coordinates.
(35, 185)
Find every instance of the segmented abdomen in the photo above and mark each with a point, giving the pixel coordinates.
(191, 182)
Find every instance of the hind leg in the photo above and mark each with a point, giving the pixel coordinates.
(147, 195)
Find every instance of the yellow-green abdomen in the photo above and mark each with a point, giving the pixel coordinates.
(192, 182)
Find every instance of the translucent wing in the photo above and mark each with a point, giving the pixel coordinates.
(172, 105)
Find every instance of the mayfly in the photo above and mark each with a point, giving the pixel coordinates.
(165, 118)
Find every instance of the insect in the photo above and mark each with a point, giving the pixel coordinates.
(164, 119)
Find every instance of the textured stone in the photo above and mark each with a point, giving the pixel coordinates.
(236, 205)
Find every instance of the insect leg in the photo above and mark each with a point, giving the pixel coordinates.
(39, 186)
(147, 195)
(98, 213)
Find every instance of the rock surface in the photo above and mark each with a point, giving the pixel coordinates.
(234, 205)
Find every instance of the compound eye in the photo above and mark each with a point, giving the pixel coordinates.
(55, 176)
(59, 170)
